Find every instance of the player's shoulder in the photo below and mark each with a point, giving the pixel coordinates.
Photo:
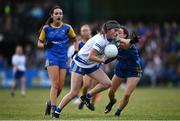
(96, 37)
(100, 39)
(45, 26)
(14, 57)
(67, 25)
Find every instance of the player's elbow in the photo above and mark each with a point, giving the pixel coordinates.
(91, 57)
(40, 44)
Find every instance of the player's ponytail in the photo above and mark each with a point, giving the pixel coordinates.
(103, 29)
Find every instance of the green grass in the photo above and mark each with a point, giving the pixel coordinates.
(145, 104)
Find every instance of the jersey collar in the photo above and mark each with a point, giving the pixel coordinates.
(56, 26)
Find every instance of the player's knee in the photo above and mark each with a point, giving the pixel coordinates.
(108, 84)
(54, 86)
(73, 94)
(55, 83)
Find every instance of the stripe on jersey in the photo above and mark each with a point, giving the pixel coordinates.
(99, 46)
(77, 58)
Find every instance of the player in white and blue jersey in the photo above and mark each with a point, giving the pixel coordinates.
(88, 61)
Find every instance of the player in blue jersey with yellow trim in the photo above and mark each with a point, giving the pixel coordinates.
(128, 68)
(54, 38)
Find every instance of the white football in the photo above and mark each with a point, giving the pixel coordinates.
(110, 51)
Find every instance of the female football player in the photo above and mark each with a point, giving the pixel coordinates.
(54, 38)
(128, 68)
(88, 61)
(85, 33)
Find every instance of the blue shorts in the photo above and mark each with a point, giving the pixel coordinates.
(83, 71)
(123, 70)
(61, 64)
(19, 74)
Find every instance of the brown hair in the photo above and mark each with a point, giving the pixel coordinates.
(125, 31)
(50, 20)
(109, 25)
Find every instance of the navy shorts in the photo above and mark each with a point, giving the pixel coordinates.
(124, 70)
(83, 71)
(19, 74)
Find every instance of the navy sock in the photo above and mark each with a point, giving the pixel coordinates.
(112, 100)
(118, 110)
(88, 95)
(58, 110)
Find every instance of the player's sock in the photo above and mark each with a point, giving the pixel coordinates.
(110, 105)
(88, 96)
(57, 112)
(118, 112)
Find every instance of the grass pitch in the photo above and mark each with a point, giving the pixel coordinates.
(144, 104)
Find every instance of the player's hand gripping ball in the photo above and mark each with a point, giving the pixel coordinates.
(110, 51)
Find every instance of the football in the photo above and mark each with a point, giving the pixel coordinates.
(110, 51)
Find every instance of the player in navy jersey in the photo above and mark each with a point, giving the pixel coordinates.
(128, 68)
(54, 38)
